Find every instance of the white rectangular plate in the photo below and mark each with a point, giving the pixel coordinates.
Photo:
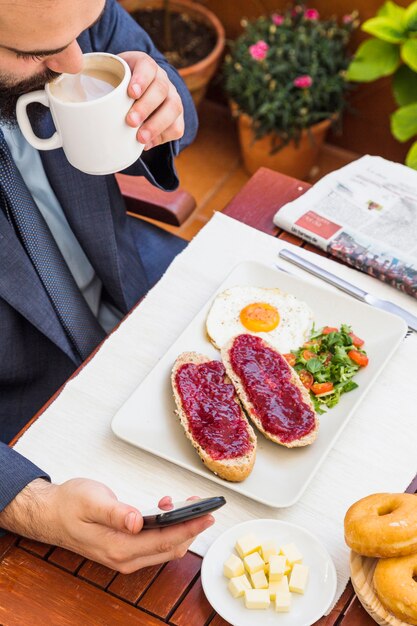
(280, 475)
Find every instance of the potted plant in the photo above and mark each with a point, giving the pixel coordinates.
(190, 36)
(285, 76)
(393, 52)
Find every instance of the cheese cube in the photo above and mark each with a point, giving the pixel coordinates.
(268, 548)
(292, 553)
(277, 566)
(233, 567)
(246, 545)
(278, 587)
(259, 580)
(237, 586)
(298, 579)
(257, 599)
(288, 567)
(283, 602)
(253, 563)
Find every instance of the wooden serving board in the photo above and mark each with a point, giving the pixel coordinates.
(362, 571)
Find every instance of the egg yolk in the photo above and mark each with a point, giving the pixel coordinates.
(259, 317)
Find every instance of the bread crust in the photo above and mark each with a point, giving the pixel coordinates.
(234, 470)
(249, 408)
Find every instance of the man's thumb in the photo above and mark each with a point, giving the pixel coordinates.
(117, 515)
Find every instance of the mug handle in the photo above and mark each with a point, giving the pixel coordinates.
(26, 127)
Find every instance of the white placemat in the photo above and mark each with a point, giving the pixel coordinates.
(376, 451)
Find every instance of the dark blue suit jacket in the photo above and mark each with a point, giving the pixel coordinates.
(35, 356)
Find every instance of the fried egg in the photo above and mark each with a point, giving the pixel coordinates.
(278, 317)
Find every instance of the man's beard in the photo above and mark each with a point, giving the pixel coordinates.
(9, 93)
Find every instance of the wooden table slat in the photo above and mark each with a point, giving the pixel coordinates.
(97, 574)
(263, 195)
(357, 616)
(6, 542)
(66, 559)
(195, 609)
(35, 592)
(131, 587)
(168, 588)
(36, 547)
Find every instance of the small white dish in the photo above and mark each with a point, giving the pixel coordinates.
(305, 610)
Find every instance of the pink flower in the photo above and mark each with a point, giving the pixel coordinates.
(312, 14)
(303, 82)
(262, 44)
(347, 19)
(259, 50)
(277, 19)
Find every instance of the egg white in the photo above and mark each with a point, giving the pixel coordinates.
(296, 318)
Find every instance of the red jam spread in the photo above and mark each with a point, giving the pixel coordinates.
(214, 417)
(266, 378)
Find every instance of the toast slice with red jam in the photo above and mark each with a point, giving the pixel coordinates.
(270, 391)
(212, 417)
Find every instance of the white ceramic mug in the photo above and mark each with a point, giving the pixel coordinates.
(93, 133)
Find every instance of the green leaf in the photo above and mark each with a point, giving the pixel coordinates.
(384, 28)
(314, 365)
(409, 53)
(391, 10)
(404, 86)
(350, 386)
(410, 17)
(411, 158)
(404, 122)
(372, 60)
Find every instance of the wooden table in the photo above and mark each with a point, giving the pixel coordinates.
(40, 584)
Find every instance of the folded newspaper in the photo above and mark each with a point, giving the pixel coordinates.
(364, 214)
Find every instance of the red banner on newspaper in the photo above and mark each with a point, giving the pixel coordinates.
(318, 225)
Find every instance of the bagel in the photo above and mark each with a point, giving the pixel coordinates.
(396, 587)
(383, 525)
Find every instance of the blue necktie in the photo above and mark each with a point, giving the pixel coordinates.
(77, 319)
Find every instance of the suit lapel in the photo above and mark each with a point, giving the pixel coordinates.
(21, 287)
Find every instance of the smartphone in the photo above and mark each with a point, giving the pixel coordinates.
(182, 511)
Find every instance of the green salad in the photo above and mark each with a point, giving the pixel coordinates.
(327, 362)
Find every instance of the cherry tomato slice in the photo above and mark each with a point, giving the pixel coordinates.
(329, 329)
(307, 355)
(358, 357)
(357, 341)
(290, 358)
(306, 378)
(321, 388)
(309, 344)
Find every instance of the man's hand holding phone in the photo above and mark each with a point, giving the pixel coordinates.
(85, 516)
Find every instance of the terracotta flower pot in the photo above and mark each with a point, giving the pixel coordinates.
(196, 76)
(291, 160)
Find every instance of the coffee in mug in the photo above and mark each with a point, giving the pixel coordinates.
(89, 112)
(86, 86)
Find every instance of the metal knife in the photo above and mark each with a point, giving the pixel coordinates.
(343, 285)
